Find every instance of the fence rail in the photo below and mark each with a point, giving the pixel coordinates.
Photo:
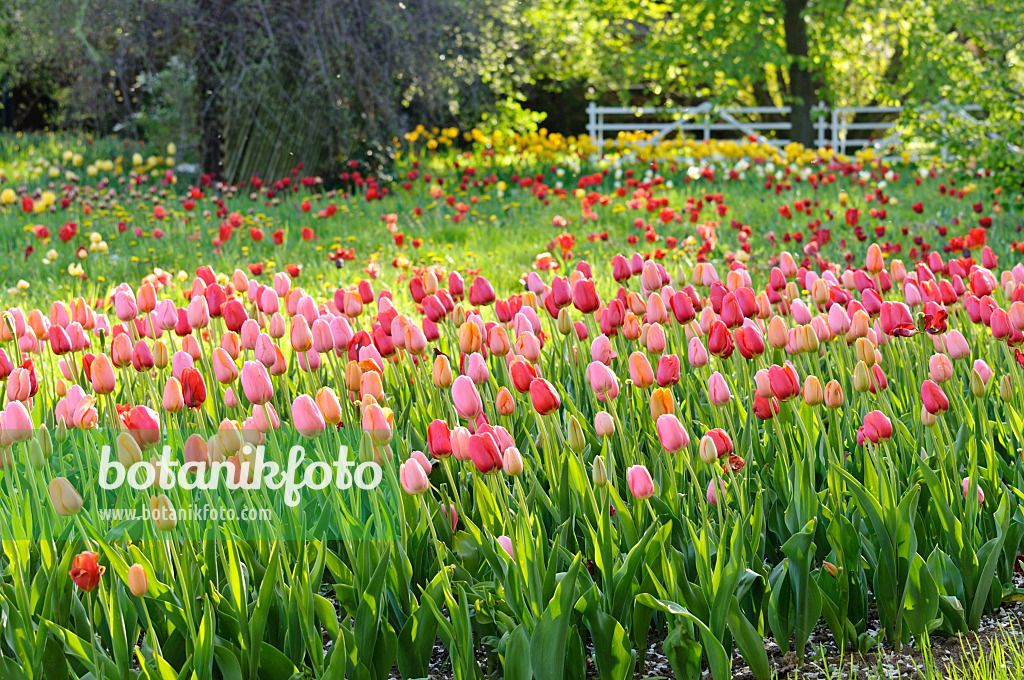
(832, 125)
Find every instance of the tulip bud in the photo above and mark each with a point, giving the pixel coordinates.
(927, 419)
(708, 450)
(442, 373)
(599, 473)
(163, 515)
(65, 499)
(1006, 388)
(778, 333)
(604, 424)
(138, 582)
(161, 355)
(564, 321)
(977, 384)
(662, 402)
(45, 443)
(813, 395)
(35, 454)
(861, 377)
(864, 350)
(128, 451)
(504, 402)
(512, 462)
(574, 437)
(833, 394)
(830, 569)
(61, 431)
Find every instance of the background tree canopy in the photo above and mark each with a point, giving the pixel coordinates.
(253, 87)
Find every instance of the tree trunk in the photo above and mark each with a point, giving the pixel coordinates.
(801, 82)
(210, 20)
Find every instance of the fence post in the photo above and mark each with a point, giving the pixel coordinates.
(592, 121)
(820, 124)
(835, 129)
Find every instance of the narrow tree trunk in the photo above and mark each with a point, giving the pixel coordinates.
(208, 86)
(801, 82)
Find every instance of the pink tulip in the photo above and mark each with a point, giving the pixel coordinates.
(506, 544)
(125, 306)
(603, 381)
(19, 385)
(460, 443)
(544, 396)
(640, 371)
(718, 390)
(466, 397)
(453, 515)
(476, 368)
(198, 313)
(983, 370)
(967, 487)
(225, 370)
(940, 369)
(256, 383)
(712, 493)
(18, 422)
(640, 483)
(696, 354)
(306, 417)
(421, 459)
(601, 350)
(604, 424)
(413, 479)
(439, 439)
(484, 451)
(672, 434)
(143, 424)
(103, 379)
(377, 422)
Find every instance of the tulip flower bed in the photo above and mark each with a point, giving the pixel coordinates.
(708, 394)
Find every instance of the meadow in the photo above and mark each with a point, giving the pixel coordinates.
(707, 395)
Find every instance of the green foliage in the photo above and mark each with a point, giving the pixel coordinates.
(314, 81)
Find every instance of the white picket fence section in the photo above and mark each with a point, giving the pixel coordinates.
(832, 125)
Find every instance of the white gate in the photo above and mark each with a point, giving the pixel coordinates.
(832, 125)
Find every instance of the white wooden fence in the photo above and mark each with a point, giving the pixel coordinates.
(832, 125)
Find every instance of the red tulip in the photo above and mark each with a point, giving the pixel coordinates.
(876, 428)
(933, 398)
(86, 571)
(439, 441)
(749, 341)
(785, 384)
(142, 423)
(584, 296)
(668, 370)
(193, 388)
(481, 292)
(484, 452)
(723, 443)
(765, 409)
(523, 374)
(720, 342)
(544, 397)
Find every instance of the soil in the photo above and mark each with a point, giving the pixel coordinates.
(823, 661)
